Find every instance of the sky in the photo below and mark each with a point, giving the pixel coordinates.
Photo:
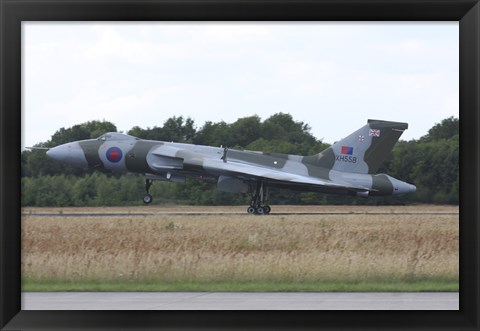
(331, 75)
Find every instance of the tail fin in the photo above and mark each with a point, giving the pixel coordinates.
(364, 150)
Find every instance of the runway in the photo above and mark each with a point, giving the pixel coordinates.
(196, 213)
(277, 210)
(238, 301)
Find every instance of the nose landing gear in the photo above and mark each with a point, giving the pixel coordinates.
(147, 198)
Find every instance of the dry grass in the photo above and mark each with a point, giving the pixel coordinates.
(243, 248)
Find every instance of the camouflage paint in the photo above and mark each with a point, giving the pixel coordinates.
(381, 146)
(343, 168)
(273, 160)
(381, 185)
(91, 148)
(136, 158)
(319, 165)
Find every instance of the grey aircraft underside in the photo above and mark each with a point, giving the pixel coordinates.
(347, 167)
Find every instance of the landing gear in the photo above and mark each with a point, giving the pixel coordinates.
(147, 198)
(267, 209)
(258, 206)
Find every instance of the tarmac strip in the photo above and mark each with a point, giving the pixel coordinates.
(196, 213)
(238, 301)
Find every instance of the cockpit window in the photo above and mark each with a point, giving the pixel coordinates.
(116, 136)
(104, 137)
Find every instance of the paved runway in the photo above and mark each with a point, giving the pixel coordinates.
(238, 301)
(104, 214)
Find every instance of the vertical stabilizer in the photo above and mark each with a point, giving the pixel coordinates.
(364, 150)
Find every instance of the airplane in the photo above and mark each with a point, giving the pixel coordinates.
(347, 167)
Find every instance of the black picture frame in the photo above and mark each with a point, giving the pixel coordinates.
(13, 12)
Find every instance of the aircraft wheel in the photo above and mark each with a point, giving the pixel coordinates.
(147, 199)
(261, 211)
(267, 209)
(251, 210)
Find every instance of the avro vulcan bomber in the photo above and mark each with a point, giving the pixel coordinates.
(347, 167)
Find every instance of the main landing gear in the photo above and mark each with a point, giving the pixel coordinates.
(147, 198)
(259, 197)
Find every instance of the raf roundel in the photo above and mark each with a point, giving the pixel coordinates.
(114, 154)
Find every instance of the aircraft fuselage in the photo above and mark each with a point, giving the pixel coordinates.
(347, 167)
(176, 161)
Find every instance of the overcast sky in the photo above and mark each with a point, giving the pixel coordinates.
(333, 76)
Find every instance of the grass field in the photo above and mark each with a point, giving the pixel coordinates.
(237, 252)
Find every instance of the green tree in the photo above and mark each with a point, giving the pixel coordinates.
(431, 163)
(282, 126)
(213, 134)
(87, 130)
(446, 129)
(436, 170)
(244, 131)
(174, 129)
(83, 191)
(107, 190)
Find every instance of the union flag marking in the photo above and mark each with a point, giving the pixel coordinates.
(374, 133)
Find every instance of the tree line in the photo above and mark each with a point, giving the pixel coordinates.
(430, 162)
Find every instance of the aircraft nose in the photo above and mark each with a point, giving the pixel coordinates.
(71, 154)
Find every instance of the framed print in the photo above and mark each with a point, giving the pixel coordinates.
(16, 16)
